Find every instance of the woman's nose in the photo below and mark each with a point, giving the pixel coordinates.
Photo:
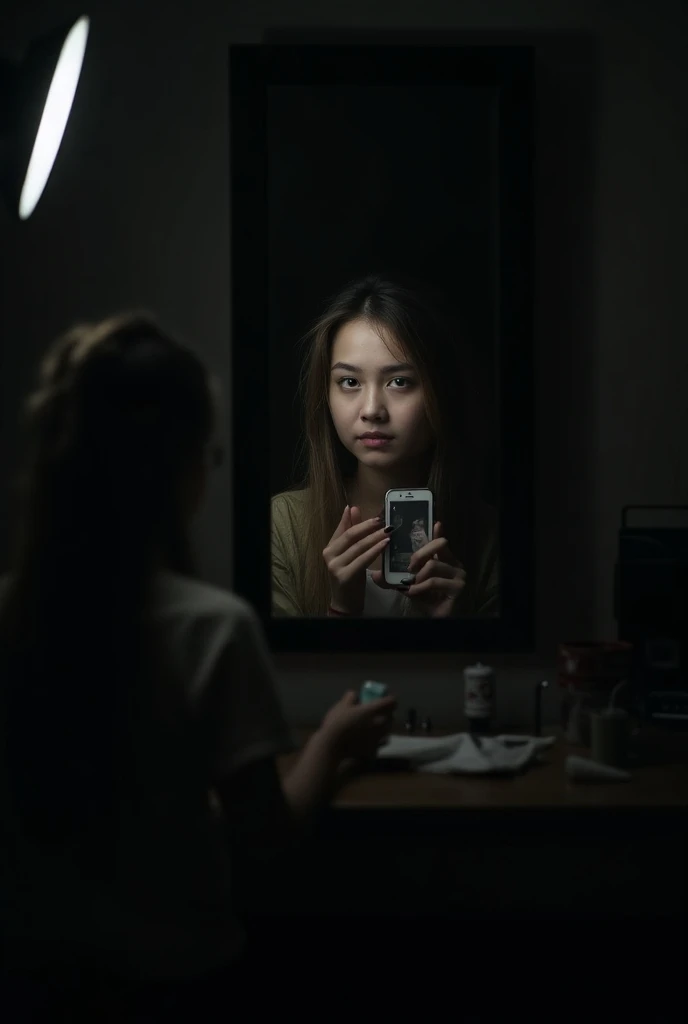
(373, 404)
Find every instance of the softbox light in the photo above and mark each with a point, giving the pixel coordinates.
(36, 98)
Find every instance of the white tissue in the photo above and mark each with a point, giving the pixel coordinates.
(466, 754)
(419, 749)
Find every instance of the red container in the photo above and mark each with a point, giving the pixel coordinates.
(587, 672)
(596, 665)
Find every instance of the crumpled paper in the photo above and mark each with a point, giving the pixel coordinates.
(467, 754)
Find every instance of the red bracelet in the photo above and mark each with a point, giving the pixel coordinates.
(333, 611)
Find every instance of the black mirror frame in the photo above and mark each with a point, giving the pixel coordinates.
(253, 69)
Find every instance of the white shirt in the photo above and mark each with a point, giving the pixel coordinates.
(168, 910)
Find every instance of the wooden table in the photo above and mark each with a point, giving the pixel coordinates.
(533, 843)
(659, 780)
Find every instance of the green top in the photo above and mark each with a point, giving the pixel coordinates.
(479, 598)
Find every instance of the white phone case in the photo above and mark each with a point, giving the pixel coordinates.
(416, 532)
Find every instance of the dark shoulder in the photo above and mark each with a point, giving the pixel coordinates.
(289, 506)
(190, 603)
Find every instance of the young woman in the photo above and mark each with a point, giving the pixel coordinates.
(129, 689)
(383, 361)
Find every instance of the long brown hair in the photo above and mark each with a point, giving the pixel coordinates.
(119, 411)
(418, 321)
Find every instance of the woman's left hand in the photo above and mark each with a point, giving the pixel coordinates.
(438, 577)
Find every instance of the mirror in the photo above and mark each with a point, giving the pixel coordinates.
(381, 196)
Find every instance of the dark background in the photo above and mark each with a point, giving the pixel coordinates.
(137, 214)
(375, 179)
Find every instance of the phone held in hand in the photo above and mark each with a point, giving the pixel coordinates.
(410, 514)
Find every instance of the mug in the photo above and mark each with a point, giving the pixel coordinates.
(610, 736)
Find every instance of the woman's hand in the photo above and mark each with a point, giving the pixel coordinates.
(353, 730)
(350, 733)
(353, 547)
(436, 577)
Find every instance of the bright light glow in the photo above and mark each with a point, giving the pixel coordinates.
(54, 117)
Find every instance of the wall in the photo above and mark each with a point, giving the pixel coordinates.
(137, 215)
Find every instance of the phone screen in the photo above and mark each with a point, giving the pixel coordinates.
(411, 522)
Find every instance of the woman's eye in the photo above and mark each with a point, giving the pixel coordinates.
(349, 383)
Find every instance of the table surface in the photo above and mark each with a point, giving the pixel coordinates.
(659, 778)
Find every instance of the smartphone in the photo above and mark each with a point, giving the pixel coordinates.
(410, 512)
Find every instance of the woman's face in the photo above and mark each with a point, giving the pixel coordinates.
(375, 391)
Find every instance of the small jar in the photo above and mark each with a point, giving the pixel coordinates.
(479, 697)
(372, 691)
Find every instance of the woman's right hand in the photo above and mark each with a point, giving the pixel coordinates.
(353, 547)
(353, 730)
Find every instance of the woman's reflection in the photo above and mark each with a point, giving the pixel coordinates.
(386, 401)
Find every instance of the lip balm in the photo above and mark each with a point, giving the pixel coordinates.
(372, 691)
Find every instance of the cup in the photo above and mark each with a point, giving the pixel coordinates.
(609, 737)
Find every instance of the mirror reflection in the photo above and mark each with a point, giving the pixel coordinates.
(382, 285)
(388, 518)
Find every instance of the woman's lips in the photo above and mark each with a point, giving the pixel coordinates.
(375, 442)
